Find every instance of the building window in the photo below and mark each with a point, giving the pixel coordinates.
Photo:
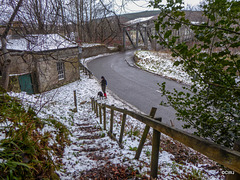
(60, 69)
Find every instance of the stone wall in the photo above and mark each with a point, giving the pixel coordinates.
(47, 73)
(21, 64)
(14, 84)
(94, 51)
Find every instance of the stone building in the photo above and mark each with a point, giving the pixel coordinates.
(41, 62)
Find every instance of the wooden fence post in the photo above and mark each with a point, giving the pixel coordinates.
(155, 152)
(75, 99)
(234, 175)
(104, 117)
(124, 38)
(81, 66)
(122, 128)
(92, 103)
(96, 108)
(145, 133)
(100, 113)
(111, 120)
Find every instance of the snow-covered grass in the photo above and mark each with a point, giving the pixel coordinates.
(162, 63)
(59, 104)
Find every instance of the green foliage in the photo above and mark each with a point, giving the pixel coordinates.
(195, 174)
(133, 148)
(25, 152)
(174, 168)
(148, 153)
(134, 132)
(103, 135)
(212, 104)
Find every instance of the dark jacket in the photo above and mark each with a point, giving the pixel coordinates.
(103, 82)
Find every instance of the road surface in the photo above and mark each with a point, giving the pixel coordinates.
(135, 86)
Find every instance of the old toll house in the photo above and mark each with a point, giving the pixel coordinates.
(41, 62)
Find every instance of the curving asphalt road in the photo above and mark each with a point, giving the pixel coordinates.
(134, 85)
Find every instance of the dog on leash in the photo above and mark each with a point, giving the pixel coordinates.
(100, 95)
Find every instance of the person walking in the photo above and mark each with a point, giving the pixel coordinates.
(104, 84)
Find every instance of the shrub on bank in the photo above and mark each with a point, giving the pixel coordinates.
(27, 149)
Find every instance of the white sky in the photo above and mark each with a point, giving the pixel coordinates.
(132, 6)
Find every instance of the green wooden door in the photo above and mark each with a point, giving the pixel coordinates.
(25, 82)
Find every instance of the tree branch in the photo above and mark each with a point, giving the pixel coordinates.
(5, 33)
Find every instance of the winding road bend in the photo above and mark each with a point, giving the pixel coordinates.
(134, 85)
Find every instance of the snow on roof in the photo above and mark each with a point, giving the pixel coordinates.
(138, 20)
(39, 42)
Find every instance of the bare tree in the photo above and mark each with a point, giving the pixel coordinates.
(95, 20)
(34, 17)
(6, 60)
(42, 16)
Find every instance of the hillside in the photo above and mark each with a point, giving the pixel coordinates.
(91, 153)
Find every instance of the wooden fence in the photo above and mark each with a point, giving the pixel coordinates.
(224, 156)
(85, 70)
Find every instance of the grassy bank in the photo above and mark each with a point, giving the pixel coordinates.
(27, 149)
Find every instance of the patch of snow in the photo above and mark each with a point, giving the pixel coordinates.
(162, 64)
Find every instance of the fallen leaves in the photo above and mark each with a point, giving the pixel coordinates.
(110, 171)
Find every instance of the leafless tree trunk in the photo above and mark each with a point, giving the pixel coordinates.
(78, 19)
(63, 18)
(90, 18)
(6, 57)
